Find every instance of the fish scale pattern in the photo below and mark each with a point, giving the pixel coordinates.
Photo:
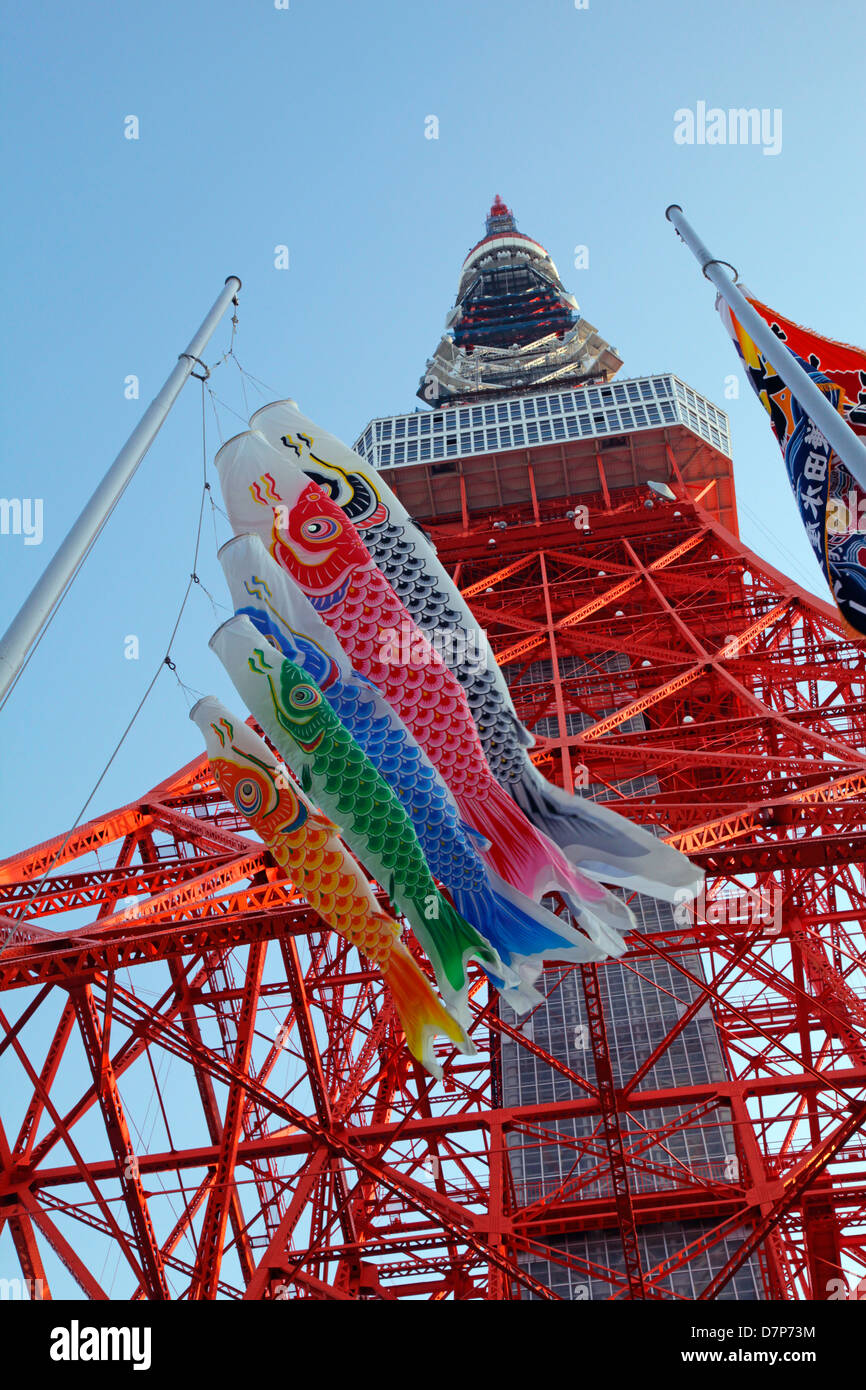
(307, 846)
(319, 866)
(356, 796)
(416, 785)
(360, 798)
(428, 693)
(420, 593)
(331, 564)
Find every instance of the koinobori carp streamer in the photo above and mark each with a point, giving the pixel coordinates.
(524, 933)
(600, 842)
(306, 844)
(312, 539)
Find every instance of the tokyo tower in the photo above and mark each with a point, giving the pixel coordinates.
(217, 1098)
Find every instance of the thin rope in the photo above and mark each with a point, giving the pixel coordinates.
(243, 387)
(165, 661)
(261, 386)
(216, 417)
(230, 410)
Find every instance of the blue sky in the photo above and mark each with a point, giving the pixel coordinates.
(305, 127)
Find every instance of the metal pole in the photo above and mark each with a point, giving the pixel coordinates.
(37, 610)
(835, 429)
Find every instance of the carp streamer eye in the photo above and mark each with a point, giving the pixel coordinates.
(304, 697)
(248, 796)
(331, 486)
(322, 528)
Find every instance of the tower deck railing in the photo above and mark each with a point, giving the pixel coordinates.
(542, 416)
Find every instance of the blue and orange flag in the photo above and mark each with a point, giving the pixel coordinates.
(831, 503)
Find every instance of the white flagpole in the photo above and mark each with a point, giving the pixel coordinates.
(838, 433)
(36, 611)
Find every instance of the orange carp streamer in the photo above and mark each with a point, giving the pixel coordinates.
(306, 844)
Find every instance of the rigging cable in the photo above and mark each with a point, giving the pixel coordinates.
(164, 661)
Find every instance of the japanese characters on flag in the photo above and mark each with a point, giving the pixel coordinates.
(831, 503)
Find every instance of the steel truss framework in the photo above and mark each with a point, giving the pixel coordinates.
(217, 1101)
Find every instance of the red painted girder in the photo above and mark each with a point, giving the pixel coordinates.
(275, 1263)
(820, 852)
(599, 601)
(468, 1227)
(62, 892)
(56, 1049)
(60, 849)
(19, 1182)
(303, 1137)
(213, 1231)
(23, 1238)
(68, 961)
(306, 1029)
(126, 1164)
(63, 1250)
(84, 1216)
(126, 1054)
(212, 1118)
(189, 900)
(683, 756)
(648, 1209)
(608, 1101)
(848, 1010)
(796, 1185)
(823, 1240)
(182, 1225)
(752, 818)
(496, 577)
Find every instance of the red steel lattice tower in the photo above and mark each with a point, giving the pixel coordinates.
(299, 1151)
(216, 1099)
